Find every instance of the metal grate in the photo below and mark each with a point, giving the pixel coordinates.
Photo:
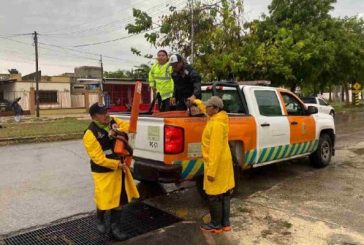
(136, 219)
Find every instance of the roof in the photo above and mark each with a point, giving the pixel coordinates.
(122, 80)
(6, 81)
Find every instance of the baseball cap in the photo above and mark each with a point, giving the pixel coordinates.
(97, 108)
(175, 58)
(215, 101)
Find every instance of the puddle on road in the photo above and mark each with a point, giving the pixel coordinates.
(360, 151)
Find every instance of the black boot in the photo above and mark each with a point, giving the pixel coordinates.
(115, 226)
(100, 221)
(215, 206)
(226, 212)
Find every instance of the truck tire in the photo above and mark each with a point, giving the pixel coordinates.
(322, 156)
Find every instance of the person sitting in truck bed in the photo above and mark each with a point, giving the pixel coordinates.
(187, 82)
(218, 165)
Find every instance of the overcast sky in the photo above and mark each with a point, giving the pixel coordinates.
(62, 25)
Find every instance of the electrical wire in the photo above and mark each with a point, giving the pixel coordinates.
(113, 40)
(153, 10)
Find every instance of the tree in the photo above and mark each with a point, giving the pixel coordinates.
(293, 45)
(217, 34)
(140, 72)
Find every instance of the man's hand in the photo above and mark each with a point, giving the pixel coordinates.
(172, 101)
(112, 134)
(210, 178)
(191, 99)
(122, 166)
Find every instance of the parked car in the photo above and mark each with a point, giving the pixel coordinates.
(321, 105)
(5, 105)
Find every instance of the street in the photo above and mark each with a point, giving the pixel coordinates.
(289, 203)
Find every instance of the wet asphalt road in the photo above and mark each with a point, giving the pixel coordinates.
(292, 202)
(289, 203)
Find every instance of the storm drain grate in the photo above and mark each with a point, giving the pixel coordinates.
(136, 219)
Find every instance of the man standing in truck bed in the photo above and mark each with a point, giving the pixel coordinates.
(187, 82)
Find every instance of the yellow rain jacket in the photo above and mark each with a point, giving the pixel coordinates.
(160, 78)
(216, 153)
(108, 185)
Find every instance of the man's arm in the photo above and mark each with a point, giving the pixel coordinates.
(95, 152)
(196, 80)
(151, 80)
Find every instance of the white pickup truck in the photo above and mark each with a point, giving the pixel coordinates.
(267, 125)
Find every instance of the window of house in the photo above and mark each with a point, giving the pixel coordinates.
(268, 103)
(293, 106)
(48, 97)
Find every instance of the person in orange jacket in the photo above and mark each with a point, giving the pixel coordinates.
(218, 166)
(113, 182)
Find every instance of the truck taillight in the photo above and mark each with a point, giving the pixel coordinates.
(173, 139)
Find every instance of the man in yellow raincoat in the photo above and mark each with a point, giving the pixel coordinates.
(113, 182)
(218, 165)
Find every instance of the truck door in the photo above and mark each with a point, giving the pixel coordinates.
(302, 125)
(272, 125)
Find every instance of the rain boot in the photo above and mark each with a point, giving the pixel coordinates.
(226, 212)
(100, 221)
(215, 205)
(115, 226)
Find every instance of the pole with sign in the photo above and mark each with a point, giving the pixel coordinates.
(356, 92)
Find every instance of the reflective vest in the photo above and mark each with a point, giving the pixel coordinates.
(160, 78)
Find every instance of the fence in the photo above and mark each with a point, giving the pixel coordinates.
(52, 99)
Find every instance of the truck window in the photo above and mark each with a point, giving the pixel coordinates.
(268, 103)
(309, 100)
(322, 102)
(293, 106)
(230, 97)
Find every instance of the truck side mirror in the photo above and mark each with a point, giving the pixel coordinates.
(312, 110)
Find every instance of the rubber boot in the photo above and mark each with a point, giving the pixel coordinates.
(226, 212)
(100, 221)
(115, 226)
(215, 205)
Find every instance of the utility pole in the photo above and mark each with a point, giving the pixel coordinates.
(36, 74)
(102, 96)
(192, 33)
(102, 74)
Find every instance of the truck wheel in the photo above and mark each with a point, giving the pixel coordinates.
(322, 156)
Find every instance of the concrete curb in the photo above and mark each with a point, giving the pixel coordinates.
(40, 138)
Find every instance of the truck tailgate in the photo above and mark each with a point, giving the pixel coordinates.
(149, 141)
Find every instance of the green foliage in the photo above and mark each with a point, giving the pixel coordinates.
(140, 72)
(297, 44)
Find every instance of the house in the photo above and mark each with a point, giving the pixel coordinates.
(54, 91)
(122, 89)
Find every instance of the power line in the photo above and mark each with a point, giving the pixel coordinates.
(17, 41)
(113, 40)
(17, 35)
(97, 28)
(56, 32)
(82, 52)
(68, 49)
